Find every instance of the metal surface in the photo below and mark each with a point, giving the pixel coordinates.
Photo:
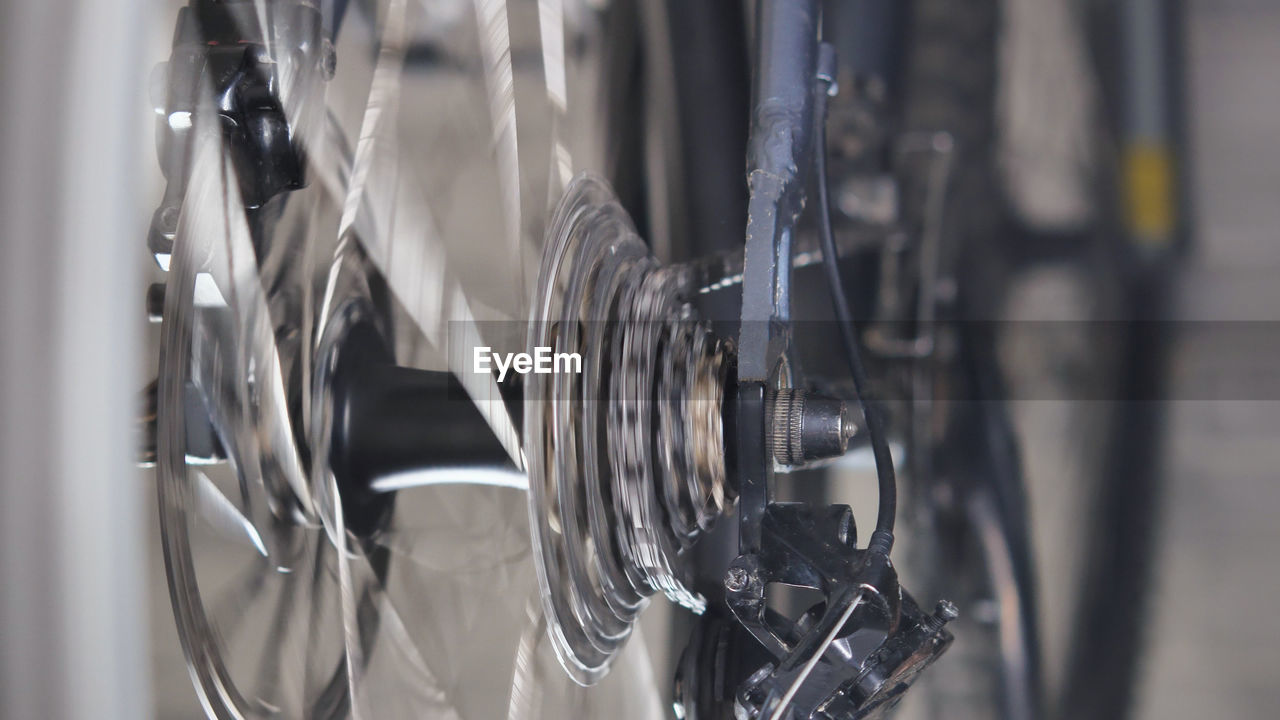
(807, 427)
(867, 635)
(387, 613)
(883, 647)
(777, 157)
(626, 459)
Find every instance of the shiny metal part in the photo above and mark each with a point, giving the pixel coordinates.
(805, 427)
(778, 156)
(851, 656)
(626, 459)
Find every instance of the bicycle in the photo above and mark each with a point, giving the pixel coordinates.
(322, 302)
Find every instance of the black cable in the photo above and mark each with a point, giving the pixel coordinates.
(882, 539)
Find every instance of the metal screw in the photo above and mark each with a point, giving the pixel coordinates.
(946, 610)
(943, 613)
(736, 579)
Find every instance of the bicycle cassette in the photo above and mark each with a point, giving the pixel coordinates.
(627, 471)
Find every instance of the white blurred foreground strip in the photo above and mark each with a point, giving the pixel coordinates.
(73, 634)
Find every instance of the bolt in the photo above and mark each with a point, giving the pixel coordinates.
(169, 219)
(737, 579)
(804, 427)
(946, 611)
(164, 225)
(943, 613)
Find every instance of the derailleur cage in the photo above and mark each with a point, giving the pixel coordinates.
(853, 655)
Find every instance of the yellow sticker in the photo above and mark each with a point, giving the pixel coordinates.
(1148, 190)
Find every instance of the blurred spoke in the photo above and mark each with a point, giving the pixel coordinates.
(223, 515)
